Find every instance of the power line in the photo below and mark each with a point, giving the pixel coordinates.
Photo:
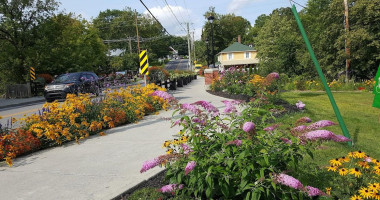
(174, 15)
(155, 17)
(296, 3)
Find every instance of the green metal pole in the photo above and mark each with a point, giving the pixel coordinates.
(323, 79)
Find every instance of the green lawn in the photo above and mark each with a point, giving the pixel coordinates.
(361, 118)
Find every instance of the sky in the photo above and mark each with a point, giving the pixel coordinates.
(174, 19)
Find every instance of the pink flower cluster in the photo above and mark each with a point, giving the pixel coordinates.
(191, 108)
(235, 142)
(312, 191)
(164, 95)
(300, 105)
(230, 106)
(271, 128)
(179, 122)
(189, 167)
(325, 135)
(171, 188)
(320, 124)
(288, 181)
(149, 164)
(248, 127)
(208, 106)
(286, 141)
(303, 120)
(186, 149)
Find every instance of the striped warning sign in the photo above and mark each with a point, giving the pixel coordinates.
(32, 74)
(144, 63)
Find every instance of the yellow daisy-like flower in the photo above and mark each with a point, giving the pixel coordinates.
(328, 191)
(344, 159)
(355, 197)
(351, 154)
(376, 195)
(356, 172)
(377, 162)
(359, 154)
(373, 188)
(343, 171)
(166, 144)
(169, 151)
(377, 185)
(365, 193)
(332, 168)
(377, 169)
(335, 162)
(363, 164)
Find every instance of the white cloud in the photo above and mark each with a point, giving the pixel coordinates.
(236, 5)
(166, 18)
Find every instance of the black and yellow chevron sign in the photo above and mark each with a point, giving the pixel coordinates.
(144, 63)
(32, 74)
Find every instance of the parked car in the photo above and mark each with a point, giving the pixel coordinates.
(74, 83)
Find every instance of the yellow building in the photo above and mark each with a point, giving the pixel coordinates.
(238, 55)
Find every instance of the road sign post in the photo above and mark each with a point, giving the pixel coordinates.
(144, 64)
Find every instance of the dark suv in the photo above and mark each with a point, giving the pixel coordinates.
(79, 82)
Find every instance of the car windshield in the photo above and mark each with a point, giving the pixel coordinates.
(66, 78)
(197, 67)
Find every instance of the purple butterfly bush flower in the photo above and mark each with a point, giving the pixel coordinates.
(271, 128)
(248, 127)
(286, 141)
(230, 106)
(235, 142)
(274, 75)
(300, 105)
(189, 167)
(149, 164)
(319, 134)
(312, 191)
(303, 120)
(299, 129)
(191, 108)
(186, 149)
(340, 138)
(199, 121)
(163, 95)
(171, 188)
(320, 124)
(288, 181)
(208, 106)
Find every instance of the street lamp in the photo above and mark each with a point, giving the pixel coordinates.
(211, 20)
(208, 53)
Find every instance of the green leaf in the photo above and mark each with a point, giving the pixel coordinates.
(208, 192)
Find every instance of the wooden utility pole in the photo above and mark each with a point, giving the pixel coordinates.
(137, 33)
(347, 39)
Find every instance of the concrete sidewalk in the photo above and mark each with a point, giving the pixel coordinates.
(101, 167)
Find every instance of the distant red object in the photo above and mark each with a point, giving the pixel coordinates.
(361, 88)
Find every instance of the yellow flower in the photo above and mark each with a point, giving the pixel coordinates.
(355, 197)
(350, 154)
(166, 144)
(344, 159)
(102, 133)
(363, 164)
(332, 168)
(343, 171)
(376, 195)
(365, 193)
(328, 191)
(373, 188)
(8, 160)
(356, 172)
(377, 162)
(335, 162)
(169, 151)
(359, 154)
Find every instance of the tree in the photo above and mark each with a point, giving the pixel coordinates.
(19, 20)
(69, 44)
(277, 43)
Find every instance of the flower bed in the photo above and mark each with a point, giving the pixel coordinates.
(231, 155)
(79, 117)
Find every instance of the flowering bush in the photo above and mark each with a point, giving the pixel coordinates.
(355, 176)
(222, 155)
(79, 117)
(238, 81)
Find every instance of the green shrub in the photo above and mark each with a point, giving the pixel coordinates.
(147, 193)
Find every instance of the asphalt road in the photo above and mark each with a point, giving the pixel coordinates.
(180, 64)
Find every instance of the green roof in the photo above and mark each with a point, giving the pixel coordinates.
(236, 46)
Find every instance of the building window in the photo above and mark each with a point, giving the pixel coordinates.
(230, 56)
(247, 55)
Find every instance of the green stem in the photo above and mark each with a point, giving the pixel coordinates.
(323, 79)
